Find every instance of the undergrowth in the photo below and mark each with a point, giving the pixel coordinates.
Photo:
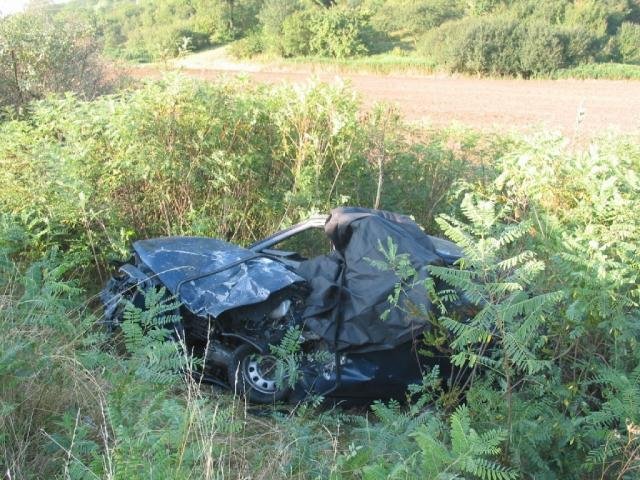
(550, 233)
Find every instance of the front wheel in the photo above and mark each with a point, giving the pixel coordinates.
(254, 376)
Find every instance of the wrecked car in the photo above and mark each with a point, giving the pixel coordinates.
(238, 303)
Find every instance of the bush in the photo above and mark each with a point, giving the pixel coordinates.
(612, 71)
(501, 46)
(171, 41)
(297, 34)
(628, 43)
(152, 30)
(272, 17)
(41, 54)
(415, 17)
(601, 17)
(476, 45)
(543, 50)
(551, 12)
(186, 157)
(336, 32)
(248, 46)
(223, 20)
(581, 45)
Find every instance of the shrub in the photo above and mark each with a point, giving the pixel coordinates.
(628, 43)
(224, 20)
(543, 49)
(482, 7)
(152, 30)
(581, 45)
(477, 45)
(336, 32)
(501, 46)
(415, 17)
(601, 17)
(552, 12)
(297, 34)
(272, 17)
(612, 71)
(40, 54)
(248, 46)
(173, 40)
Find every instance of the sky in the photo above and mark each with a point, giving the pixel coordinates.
(12, 6)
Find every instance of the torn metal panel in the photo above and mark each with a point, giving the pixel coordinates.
(184, 266)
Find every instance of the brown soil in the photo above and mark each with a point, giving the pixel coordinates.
(518, 105)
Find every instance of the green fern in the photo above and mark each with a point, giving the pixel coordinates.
(147, 337)
(503, 334)
(470, 453)
(288, 354)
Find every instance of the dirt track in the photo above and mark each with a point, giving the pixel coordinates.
(481, 103)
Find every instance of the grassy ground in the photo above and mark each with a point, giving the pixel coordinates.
(610, 71)
(401, 62)
(383, 63)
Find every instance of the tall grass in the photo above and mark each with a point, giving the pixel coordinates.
(382, 63)
(611, 71)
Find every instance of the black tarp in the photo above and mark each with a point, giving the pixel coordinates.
(349, 294)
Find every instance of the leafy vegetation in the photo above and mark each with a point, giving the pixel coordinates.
(549, 229)
(41, 54)
(614, 71)
(551, 260)
(178, 157)
(502, 37)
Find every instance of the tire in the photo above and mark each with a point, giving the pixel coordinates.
(252, 376)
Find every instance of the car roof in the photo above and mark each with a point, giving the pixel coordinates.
(315, 221)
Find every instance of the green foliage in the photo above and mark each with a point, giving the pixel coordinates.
(628, 43)
(599, 16)
(618, 454)
(537, 343)
(423, 448)
(221, 142)
(415, 17)
(184, 157)
(545, 50)
(336, 32)
(613, 71)
(553, 353)
(42, 54)
(506, 46)
(288, 354)
(488, 37)
(503, 334)
(272, 17)
(248, 46)
(150, 30)
(147, 331)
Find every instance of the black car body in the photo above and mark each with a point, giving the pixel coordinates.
(236, 303)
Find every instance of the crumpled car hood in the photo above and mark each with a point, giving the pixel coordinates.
(184, 264)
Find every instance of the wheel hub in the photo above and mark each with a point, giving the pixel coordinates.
(259, 372)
